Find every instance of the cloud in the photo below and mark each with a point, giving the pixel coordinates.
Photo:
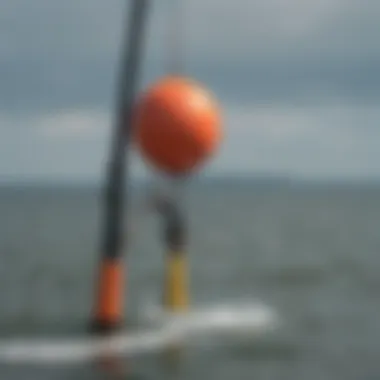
(61, 146)
(74, 125)
(58, 55)
(65, 146)
(298, 81)
(302, 141)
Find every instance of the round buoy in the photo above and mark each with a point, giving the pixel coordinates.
(177, 125)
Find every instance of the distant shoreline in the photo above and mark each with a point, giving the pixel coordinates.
(265, 181)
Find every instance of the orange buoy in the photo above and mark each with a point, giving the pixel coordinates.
(177, 125)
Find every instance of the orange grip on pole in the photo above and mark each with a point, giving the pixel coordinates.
(109, 307)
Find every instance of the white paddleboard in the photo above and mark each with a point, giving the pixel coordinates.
(164, 329)
(247, 318)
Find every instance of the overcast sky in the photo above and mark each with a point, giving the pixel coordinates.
(299, 81)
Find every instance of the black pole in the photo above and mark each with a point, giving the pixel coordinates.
(117, 175)
(174, 226)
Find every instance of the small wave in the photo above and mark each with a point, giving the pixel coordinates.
(298, 276)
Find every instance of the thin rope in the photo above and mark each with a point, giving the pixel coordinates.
(176, 38)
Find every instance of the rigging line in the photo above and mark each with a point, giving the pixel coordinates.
(175, 38)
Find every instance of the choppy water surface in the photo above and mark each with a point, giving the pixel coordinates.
(312, 253)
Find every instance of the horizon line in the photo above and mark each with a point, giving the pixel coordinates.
(228, 177)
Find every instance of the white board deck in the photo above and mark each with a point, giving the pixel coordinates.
(164, 329)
